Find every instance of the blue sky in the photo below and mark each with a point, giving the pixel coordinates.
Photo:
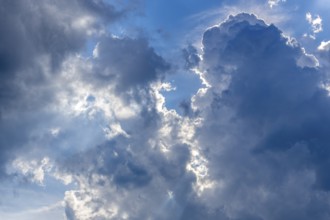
(151, 109)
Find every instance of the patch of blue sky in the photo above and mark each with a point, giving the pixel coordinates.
(297, 26)
(32, 201)
(186, 84)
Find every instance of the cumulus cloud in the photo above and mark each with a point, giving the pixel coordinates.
(36, 38)
(252, 144)
(256, 142)
(264, 124)
(137, 177)
(104, 110)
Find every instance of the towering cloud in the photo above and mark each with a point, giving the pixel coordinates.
(260, 127)
(265, 124)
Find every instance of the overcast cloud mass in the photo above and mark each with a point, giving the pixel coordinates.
(164, 110)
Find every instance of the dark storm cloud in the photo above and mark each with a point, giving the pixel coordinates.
(265, 132)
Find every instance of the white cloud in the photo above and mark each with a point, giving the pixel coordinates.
(315, 22)
(307, 60)
(324, 46)
(32, 169)
(273, 3)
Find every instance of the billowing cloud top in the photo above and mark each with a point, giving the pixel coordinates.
(86, 128)
(265, 123)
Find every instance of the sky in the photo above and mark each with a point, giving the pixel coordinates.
(164, 110)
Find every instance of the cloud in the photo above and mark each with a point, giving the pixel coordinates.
(104, 110)
(323, 54)
(129, 63)
(191, 57)
(307, 60)
(324, 46)
(252, 144)
(124, 174)
(316, 23)
(51, 30)
(36, 39)
(58, 105)
(264, 124)
(121, 178)
(255, 146)
(273, 3)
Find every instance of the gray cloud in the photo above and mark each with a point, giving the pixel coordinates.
(265, 124)
(263, 133)
(128, 63)
(50, 106)
(261, 126)
(36, 37)
(131, 177)
(191, 57)
(30, 30)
